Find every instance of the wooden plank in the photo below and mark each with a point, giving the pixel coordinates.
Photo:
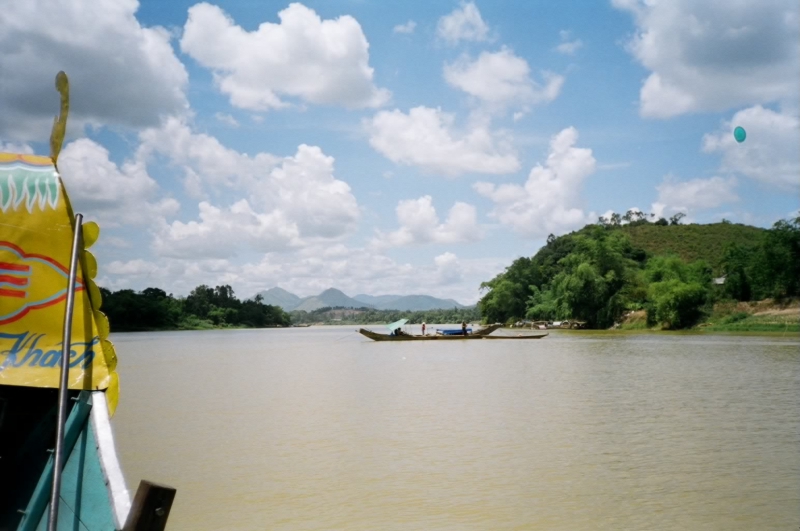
(150, 508)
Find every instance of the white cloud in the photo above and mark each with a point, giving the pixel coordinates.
(15, 147)
(501, 78)
(135, 267)
(567, 46)
(226, 119)
(420, 224)
(221, 232)
(715, 54)
(448, 268)
(204, 155)
(113, 195)
(463, 24)
(288, 201)
(120, 72)
(426, 138)
(316, 61)
(770, 152)
(309, 270)
(408, 27)
(693, 195)
(549, 200)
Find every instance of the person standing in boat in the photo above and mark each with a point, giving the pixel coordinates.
(464, 327)
(423, 328)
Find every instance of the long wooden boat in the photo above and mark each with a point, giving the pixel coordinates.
(518, 336)
(58, 381)
(479, 334)
(375, 336)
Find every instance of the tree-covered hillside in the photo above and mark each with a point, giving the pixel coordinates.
(603, 271)
(693, 242)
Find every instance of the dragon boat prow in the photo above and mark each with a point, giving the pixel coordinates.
(58, 381)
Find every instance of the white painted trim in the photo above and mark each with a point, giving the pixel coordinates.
(115, 481)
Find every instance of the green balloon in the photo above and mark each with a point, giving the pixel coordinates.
(739, 134)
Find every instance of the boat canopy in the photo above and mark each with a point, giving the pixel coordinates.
(397, 324)
(35, 246)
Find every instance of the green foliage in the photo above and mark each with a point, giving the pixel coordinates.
(372, 316)
(769, 269)
(693, 242)
(626, 263)
(595, 283)
(675, 304)
(204, 307)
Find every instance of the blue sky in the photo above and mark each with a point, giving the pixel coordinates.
(397, 147)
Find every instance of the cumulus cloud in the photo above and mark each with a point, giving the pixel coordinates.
(310, 269)
(549, 200)
(286, 198)
(568, 46)
(427, 138)
(15, 147)
(448, 268)
(769, 154)
(121, 73)
(220, 232)
(304, 57)
(226, 119)
(714, 55)
(420, 224)
(115, 195)
(408, 27)
(501, 78)
(693, 195)
(463, 24)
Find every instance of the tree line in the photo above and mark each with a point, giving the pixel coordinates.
(204, 307)
(339, 315)
(597, 275)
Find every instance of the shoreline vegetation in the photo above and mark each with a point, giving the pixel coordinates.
(630, 273)
(624, 272)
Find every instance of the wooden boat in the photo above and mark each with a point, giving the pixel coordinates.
(375, 336)
(58, 384)
(518, 336)
(409, 337)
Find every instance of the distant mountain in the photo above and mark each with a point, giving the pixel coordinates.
(334, 298)
(280, 297)
(330, 297)
(376, 300)
(408, 303)
(412, 303)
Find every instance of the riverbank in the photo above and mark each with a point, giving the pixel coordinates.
(733, 316)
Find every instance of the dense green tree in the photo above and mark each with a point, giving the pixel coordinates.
(596, 282)
(154, 309)
(677, 291)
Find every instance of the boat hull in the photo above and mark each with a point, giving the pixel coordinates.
(482, 333)
(520, 336)
(407, 337)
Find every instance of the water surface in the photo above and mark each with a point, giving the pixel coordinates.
(319, 428)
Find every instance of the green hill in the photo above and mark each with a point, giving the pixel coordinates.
(693, 242)
(603, 271)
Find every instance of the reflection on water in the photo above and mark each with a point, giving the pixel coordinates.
(321, 429)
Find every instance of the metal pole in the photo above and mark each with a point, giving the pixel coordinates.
(63, 386)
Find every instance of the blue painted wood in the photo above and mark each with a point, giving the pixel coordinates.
(84, 495)
(39, 501)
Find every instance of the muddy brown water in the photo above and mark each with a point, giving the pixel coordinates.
(319, 428)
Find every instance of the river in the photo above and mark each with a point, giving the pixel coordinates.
(319, 429)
